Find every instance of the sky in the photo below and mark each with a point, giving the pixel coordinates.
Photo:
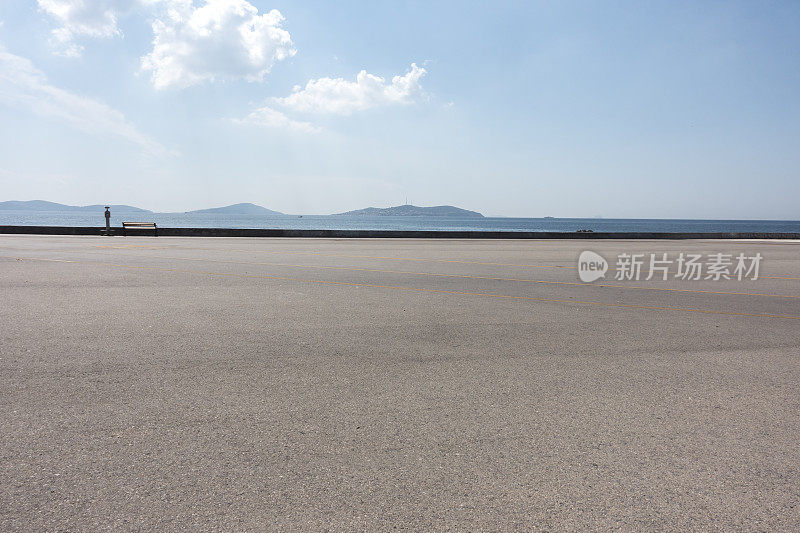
(633, 109)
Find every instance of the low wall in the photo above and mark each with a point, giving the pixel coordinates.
(382, 234)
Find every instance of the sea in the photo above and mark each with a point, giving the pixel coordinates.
(185, 220)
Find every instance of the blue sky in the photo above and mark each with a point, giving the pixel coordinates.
(573, 109)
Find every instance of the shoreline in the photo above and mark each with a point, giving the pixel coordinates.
(386, 234)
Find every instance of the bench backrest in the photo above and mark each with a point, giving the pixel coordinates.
(140, 224)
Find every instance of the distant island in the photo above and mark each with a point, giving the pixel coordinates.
(413, 211)
(235, 209)
(41, 205)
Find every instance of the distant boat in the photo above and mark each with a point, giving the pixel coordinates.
(549, 217)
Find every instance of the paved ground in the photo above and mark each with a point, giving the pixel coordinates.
(249, 384)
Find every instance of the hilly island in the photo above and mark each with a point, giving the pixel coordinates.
(414, 211)
(236, 209)
(42, 206)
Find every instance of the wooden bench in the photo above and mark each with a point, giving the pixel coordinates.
(146, 225)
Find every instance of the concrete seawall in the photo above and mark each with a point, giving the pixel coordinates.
(381, 234)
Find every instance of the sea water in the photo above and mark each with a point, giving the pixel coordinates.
(182, 220)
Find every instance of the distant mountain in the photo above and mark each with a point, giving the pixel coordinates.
(41, 205)
(414, 211)
(236, 209)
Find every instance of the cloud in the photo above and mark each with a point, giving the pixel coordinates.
(337, 96)
(271, 118)
(83, 18)
(223, 39)
(342, 97)
(218, 39)
(22, 84)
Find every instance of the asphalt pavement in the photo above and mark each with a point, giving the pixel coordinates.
(366, 384)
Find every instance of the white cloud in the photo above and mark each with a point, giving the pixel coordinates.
(83, 18)
(22, 84)
(193, 40)
(223, 39)
(271, 118)
(339, 96)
